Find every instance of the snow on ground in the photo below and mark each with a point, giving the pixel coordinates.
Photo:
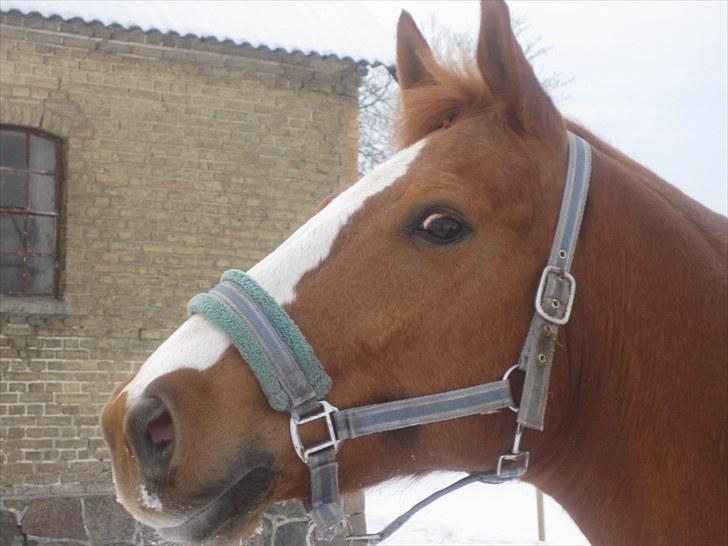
(476, 514)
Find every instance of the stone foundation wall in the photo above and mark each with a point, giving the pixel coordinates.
(99, 520)
(90, 520)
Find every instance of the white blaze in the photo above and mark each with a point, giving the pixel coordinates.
(198, 344)
(279, 272)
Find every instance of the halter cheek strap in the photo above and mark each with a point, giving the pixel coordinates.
(294, 380)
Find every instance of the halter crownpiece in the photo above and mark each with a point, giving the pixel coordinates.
(293, 379)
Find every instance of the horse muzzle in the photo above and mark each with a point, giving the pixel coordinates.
(229, 516)
(173, 478)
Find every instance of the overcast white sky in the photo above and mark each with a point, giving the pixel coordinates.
(649, 77)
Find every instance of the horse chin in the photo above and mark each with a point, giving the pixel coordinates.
(230, 517)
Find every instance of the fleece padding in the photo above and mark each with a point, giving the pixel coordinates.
(245, 342)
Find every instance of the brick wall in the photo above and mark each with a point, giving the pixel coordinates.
(183, 158)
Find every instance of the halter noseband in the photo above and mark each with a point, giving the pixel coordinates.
(294, 380)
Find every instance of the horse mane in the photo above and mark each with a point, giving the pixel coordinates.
(710, 224)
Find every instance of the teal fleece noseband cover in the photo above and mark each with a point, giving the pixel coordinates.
(246, 340)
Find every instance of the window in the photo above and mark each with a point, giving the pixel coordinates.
(30, 175)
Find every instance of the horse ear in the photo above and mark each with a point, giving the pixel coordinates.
(411, 48)
(509, 75)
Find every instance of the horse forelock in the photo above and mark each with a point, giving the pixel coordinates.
(456, 90)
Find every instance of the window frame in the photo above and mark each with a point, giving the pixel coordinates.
(26, 212)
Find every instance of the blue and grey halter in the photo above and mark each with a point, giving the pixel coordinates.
(293, 379)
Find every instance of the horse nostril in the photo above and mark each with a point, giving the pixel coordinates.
(161, 430)
(151, 431)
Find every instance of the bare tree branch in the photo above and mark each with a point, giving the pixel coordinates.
(379, 92)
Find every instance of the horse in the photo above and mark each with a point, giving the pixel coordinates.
(419, 279)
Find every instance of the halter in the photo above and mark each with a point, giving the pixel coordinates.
(294, 380)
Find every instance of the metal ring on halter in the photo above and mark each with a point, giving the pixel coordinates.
(506, 375)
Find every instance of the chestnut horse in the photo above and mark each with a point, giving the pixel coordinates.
(420, 279)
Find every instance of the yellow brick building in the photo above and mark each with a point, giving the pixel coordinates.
(178, 157)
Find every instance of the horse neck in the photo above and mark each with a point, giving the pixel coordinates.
(635, 440)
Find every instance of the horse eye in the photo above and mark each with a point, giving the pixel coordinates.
(440, 228)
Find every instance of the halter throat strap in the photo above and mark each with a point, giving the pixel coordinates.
(294, 380)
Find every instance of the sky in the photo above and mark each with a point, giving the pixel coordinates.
(648, 77)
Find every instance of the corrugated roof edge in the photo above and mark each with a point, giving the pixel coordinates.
(212, 40)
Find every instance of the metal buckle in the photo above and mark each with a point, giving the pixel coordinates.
(303, 452)
(340, 530)
(512, 466)
(505, 377)
(553, 270)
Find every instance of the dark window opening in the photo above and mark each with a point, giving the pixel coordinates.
(30, 182)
